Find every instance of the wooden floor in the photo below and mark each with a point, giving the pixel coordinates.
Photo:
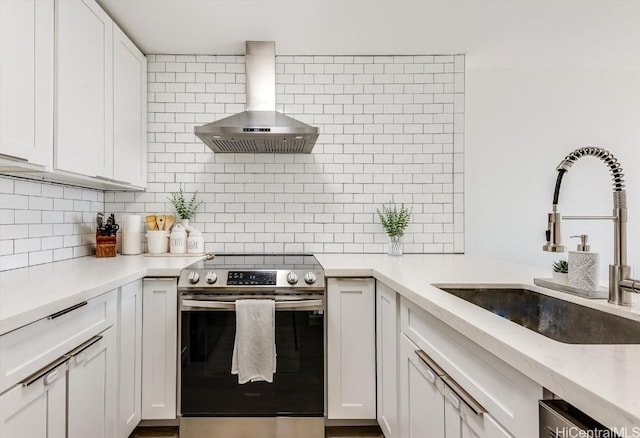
(331, 432)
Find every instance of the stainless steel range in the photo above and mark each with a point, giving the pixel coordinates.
(212, 402)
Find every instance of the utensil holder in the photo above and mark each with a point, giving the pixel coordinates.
(106, 245)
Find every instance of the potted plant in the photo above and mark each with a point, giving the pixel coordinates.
(394, 220)
(560, 271)
(185, 209)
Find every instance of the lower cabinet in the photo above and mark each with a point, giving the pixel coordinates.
(71, 394)
(421, 396)
(130, 358)
(159, 348)
(433, 406)
(91, 407)
(37, 410)
(386, 359)
(351, 348)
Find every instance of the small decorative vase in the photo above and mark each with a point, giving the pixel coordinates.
(560, 277)
(395, 246)
(185, 224)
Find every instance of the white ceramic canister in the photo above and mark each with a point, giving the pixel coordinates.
(195, 242)
(178, 240)
(158, 242)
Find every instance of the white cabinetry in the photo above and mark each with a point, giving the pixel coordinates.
(130, 358)
(84, 100)
(26, 82)
(387, 357)
(351, 352)
(421, 397)
(433, 405)
(37, 410)
(92, 389)
(159, 348)
(99, 110)
(509, 397)
(129, 111)
(59, 374)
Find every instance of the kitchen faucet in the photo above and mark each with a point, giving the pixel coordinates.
(621, 285)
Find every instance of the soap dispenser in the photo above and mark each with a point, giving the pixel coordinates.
(584, 266)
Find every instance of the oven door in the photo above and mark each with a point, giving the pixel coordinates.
(207, 387)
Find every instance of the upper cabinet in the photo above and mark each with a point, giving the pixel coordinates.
(26, 83)
(84, 77)
(129, 111)
(93, 133)
(101, 101)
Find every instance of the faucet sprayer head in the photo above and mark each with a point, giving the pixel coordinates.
(554, 236)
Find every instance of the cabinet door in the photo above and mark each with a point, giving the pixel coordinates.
(159, 348)
(387, 358)
(92, 388)
(84, 102)
(421, 396)
(130, 358)
(129, 111)
(37, 410)
(351, 348)
(26, 80)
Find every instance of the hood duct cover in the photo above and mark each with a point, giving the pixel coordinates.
(261, 128)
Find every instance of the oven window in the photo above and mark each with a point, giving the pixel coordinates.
(209, 389)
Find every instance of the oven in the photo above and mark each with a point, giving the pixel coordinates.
(210, 398)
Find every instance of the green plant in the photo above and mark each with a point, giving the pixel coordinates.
(394, 220)
(185, 210)
(561, 266)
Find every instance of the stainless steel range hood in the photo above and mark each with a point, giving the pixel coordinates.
(260, 128)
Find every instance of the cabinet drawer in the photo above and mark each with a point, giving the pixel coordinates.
(508, 395)
(30, 348)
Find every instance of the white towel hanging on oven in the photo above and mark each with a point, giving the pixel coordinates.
(254, 349)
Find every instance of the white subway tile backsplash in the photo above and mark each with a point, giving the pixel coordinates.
(392, 128)
(35, 216)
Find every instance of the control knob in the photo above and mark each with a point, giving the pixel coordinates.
(309, 277)
(292, 277)
(212, 277)
(194, 277)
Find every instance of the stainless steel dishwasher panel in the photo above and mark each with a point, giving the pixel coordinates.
(558, 419)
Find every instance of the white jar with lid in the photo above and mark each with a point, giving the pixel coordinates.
(178, 240)
(195, 242)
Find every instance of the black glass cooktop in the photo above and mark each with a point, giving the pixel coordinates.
(259, 261)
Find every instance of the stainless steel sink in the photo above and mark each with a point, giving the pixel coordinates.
(557, 319)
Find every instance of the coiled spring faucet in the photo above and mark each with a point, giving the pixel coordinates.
(621, 285)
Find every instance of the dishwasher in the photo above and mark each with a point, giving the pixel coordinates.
(558, 419)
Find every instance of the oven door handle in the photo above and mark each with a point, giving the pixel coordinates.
(231, 305)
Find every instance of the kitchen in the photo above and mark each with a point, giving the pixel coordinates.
(520, 86)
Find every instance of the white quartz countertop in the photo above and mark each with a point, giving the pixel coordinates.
(601, 380)
(33, 293)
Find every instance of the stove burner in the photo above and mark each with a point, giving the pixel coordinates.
(228, 272)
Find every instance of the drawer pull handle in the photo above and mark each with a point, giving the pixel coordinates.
(77, 352)
(424, 357)
(13, 157)
(67, 310)
(352, 278)
(42, 372)
(458, 391)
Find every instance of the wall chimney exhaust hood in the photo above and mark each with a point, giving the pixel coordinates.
(260, 128)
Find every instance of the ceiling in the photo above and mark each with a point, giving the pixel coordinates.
(525, 29)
